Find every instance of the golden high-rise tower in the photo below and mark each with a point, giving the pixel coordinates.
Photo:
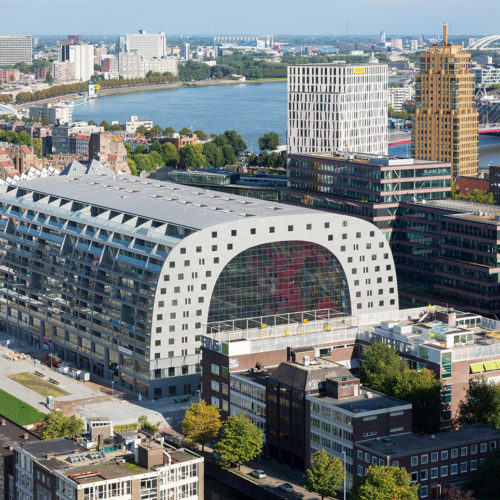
(446, 121)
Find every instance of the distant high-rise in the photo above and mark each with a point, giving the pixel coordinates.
(148, 45)
(446, 121)
(83, 58)
(186, 51)
(397, 43)
(382, 37)
(337, 107)
(15, 49)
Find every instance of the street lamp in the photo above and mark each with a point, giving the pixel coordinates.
(112, 388)
(345, 475)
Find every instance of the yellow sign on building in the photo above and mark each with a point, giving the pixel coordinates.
(359, 70)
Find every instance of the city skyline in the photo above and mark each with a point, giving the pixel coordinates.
(279, 17)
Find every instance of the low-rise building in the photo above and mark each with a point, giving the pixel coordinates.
(399, 95)
(432, 461)
(133, 123)
(79, 145)
(64, 71)
(66, 469)
(341, 414)
(62, 132)
(179, 141)
(53, 112)
(10, 434)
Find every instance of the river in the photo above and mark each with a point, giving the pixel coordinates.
(218, 491)
(250, 109)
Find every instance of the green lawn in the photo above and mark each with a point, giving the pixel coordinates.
(17, 410)
(38, 384)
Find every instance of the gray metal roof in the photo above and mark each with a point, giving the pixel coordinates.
(164, 201)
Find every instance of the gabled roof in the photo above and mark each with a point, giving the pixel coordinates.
(74, 168)
(96, 167)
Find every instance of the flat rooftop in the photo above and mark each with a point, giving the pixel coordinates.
(10, 433)
(478, 212)
(372, 159)
(407, 444)
(163, 201)
(365, 401)
(257, 376)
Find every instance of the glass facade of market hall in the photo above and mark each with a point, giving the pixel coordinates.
(281, 277)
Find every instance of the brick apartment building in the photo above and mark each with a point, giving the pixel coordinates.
(110, 151)
(179, 141)
(433, 461)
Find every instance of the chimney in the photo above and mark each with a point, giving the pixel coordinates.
(305, 360)
(445, 34)
(25, 436)
(4, 422)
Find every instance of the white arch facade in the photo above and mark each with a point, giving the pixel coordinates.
(191, 271)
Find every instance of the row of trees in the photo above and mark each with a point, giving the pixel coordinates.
(72, 88)
(222, 150)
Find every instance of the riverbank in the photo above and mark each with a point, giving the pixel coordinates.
(150, 88)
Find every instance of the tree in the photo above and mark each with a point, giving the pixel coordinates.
(171, 156)
(132, 166)
(105, 125)
(385, 483)
(228, 154)
(193, 157)
(236, 141)
(481, 404)
(37, 147)
(423, 390)
(115, 127)
(56, 424)
(184, 131)
(213, 154)
(141, 130)
(325, 475)
(201, 135)
(240, 441)
(269, 141)
(49, 78)
(381, 367)
(201, 423)
(168, 131)
(156, 131)
(453, 493)
(485, 480)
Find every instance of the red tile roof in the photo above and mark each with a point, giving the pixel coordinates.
(468, 184)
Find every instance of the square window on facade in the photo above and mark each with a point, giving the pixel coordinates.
(424, 491)
(473, 465)
(229, 246)
(330, 237)
(444, 471)
(463, 451)
(434, 456)
(214, 248)
(166, 277)
(157, 355)
(159, 317)
(233, 232)
(327, 225)
(271, 229)
(157, 343)
(290, 228)
(183, 251)
(214, 234)
(158, 329)
(161, 303)
(198, 249)
(308, 227)
(463, 467)
(473, 449)
(344, 236)
(344, 223)
(170, 354)
(163, 291)
(253, 230)
(342, 248)
(454, 452)
(424, 475)
(414, 461)
(171, 341)
(454, 469)
(171, 328)
(172, 264)
(434, 473)
(414, 477)
(424, 459)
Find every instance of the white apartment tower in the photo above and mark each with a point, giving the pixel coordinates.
(148, 45)
(337, 107)
(82, 56)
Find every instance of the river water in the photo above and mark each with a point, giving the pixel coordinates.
(250, 109)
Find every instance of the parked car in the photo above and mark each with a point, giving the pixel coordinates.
(258, 474)
(286, 487)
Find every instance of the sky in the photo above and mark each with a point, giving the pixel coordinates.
(301, 17)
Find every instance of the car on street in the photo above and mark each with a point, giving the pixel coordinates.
(258, 474)
(286, 487)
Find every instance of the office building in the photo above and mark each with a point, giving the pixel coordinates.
(62, 132)
(57, 114)
(186, 51)
(399, 95)
(147, 45)
(413, 45)
(82, 56)
(337, 107)
(340, 414)
(15, 49)
(446, 121)
(42, 72)
(382, 37)
(64, 45)
(133, 123)
(434, 462)
(76, 469)
(397, 43)
(133, 65)
(152, 262)
(486, 75)
(64, 71)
